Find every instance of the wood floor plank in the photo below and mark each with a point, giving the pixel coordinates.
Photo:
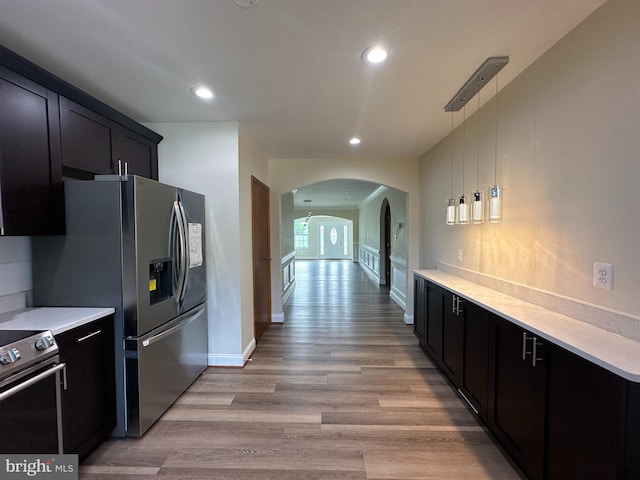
(340, 391)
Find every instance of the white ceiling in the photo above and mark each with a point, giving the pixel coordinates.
(290, 70)
(334, 194)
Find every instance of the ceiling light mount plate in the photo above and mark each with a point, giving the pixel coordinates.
(479, 79)
(245, 3)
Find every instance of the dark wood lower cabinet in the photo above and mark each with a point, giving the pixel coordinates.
(452, 337)
(586, 410)
(88, 403)
(517, 394)
(433, 329)
(559, 416)
(420, 309)
(475, 381)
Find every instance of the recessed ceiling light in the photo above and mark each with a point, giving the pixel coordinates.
(354, 141)
(375, 54)
(203, 92)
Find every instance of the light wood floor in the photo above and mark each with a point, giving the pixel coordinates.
(340, 391)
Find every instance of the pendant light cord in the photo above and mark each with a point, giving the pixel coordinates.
(478, 150)
(464, 140)
(495, 162)
(452, 152)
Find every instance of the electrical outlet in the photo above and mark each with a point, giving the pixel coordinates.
(603, 275)
(460, 255)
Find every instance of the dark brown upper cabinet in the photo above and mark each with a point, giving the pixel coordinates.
(50, 130)
(92, 144)
(31, 192)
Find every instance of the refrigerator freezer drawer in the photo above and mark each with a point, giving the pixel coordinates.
(161, 365)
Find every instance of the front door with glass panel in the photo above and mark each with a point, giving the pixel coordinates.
(334, 240)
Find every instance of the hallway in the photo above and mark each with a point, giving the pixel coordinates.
(341, 390)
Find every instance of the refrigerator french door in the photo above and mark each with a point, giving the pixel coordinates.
(137, 245)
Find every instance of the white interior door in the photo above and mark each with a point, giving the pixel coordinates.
(334, 240)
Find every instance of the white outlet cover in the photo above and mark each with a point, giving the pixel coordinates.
(603, 275)
(459, 255)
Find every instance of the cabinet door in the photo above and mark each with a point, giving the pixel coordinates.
(452, 337)
(88, 403)
(139, 154)
(586, 408)
(475, 381)
(86, 139)
(433, 330)
(419, 309)
(517, 405)
(30, 173)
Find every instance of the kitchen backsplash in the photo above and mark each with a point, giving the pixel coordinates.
(15, 273)
(617, 322)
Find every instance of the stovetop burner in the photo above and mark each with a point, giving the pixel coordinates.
(20, 349)
(10, 336)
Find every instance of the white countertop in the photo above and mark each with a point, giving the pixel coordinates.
(56, 319)
(610, 350)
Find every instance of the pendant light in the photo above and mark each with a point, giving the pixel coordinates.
(477, 200)
(463, 204)
(495, 192)
(451, 201)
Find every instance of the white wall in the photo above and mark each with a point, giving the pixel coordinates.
(252, 163)
(568, 155)
(371, 241)
(204, 157)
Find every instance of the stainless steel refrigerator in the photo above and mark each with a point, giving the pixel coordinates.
(138, 246)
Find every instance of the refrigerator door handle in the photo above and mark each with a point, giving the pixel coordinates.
(179, 326)
(172, 251)
(185, 250)
(179, 251)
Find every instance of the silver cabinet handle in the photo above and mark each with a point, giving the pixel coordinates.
(458, 308)
(535, 357)
(86, 337)
(453, 305)
(525, 338)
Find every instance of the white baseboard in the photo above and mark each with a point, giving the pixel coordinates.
(277, 317)
(408, 319)
(231, 360)
(398, 297)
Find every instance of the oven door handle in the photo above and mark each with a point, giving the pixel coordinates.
(18, 388)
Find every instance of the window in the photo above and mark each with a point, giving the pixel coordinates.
(302, 235)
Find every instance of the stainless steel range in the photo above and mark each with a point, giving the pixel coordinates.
(30, 383)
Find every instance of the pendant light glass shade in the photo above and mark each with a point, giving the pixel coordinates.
(495, 204)
(477, 207)
(463, 210)
(451, 211)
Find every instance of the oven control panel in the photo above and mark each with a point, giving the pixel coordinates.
(25, 349)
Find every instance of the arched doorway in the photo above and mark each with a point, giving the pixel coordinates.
(385, 243)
